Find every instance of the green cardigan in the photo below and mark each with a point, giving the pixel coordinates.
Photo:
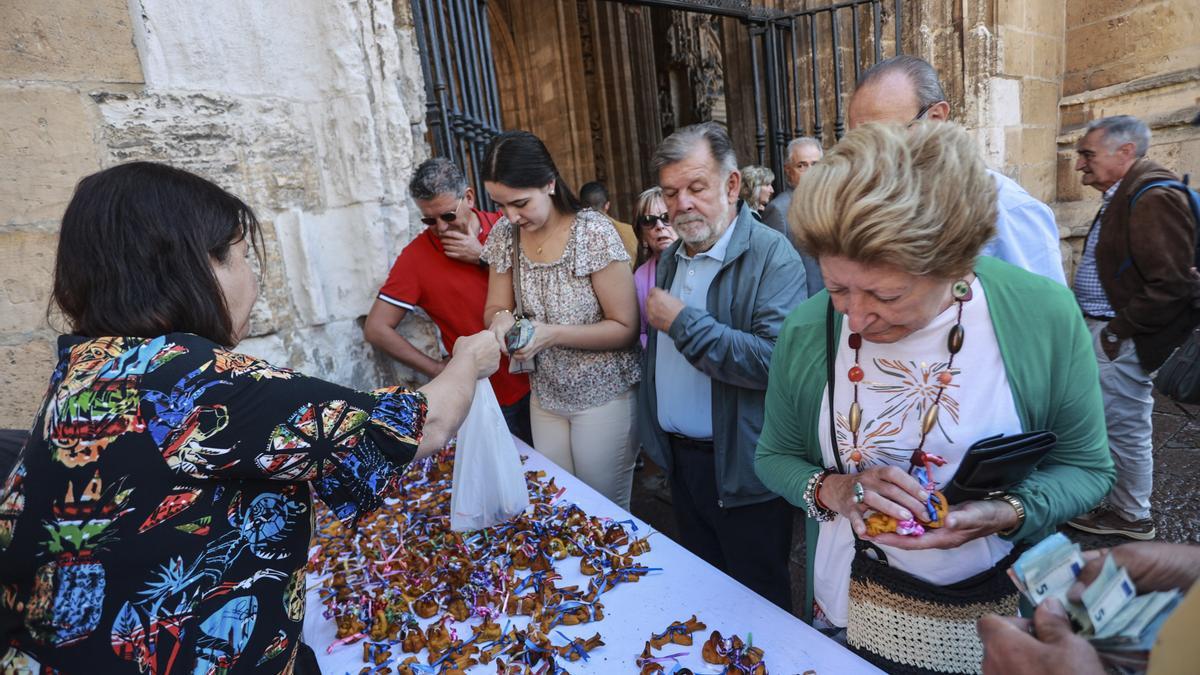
(1047, 351)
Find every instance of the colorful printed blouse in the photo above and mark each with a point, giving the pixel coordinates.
(158, 520)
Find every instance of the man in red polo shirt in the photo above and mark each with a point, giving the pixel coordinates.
(440, 272)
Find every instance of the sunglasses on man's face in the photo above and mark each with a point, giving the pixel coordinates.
(651, 221)
(447, 217)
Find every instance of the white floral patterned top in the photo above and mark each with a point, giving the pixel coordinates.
(560, 292)
(899, 383)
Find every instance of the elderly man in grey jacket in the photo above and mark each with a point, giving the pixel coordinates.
(721, 295)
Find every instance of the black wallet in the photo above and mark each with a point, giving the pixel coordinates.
(994, 465)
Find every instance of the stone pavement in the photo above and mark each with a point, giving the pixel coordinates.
(1175, 503)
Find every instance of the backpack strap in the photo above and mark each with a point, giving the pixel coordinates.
(1193, 204)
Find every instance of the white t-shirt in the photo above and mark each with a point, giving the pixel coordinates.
(900, 382)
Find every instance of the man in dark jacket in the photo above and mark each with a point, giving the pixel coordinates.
(1134, 285)
(720, 298)
(802, 153)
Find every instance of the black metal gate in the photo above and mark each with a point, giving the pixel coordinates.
(462, 108)
(798, 64)
(793, 98)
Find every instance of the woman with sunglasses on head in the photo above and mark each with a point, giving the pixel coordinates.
(158, 519)
(655, 234)
(579, 326)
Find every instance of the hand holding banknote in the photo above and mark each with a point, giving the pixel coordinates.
(1044, 645)
(1111, 602)
(1153, 566)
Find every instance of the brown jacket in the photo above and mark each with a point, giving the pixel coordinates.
(1144, 260)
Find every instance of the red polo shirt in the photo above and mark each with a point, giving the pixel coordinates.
(452, 293)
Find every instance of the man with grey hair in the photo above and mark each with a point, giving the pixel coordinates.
(1135, 286)
(802, 154)
(439, 271)
(905, 89)
(721, 295)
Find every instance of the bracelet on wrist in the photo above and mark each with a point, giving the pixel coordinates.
(1017, 506)
(812, 507)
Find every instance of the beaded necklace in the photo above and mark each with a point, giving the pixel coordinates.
(961, 291)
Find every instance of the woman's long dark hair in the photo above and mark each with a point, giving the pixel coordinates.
(519, 159)
(136, 248)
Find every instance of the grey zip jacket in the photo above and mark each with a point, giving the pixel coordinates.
(758, 285)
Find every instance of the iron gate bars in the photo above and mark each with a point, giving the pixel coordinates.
(792, 43)
(462, 105)
(462, 100)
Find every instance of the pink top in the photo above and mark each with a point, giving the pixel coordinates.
(643, 279)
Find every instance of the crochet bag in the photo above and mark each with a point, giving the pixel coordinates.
(905, 625)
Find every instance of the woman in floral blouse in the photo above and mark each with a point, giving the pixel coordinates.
(577, 287)
(159, 517)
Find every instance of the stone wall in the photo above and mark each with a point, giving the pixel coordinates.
(1025, 76)
(310, 111)
(1020, 111)
(1125, 58)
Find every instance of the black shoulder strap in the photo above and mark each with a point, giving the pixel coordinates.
(830, 357)
(1189, 195)
(518, 305)
(860, 546)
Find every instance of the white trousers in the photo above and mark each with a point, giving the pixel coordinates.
(597, 445)
(1128, 407)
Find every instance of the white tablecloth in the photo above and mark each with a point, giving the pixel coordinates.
(686, 585)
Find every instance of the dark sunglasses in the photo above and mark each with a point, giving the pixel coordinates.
(649, 221)
(447, 217)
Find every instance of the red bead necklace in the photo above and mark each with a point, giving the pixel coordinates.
(961, 290)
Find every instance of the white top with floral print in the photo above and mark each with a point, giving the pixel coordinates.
(900, 382)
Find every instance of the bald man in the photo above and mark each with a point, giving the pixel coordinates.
(905, 89)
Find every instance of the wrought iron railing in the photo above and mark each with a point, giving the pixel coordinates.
(798, 70)
(791, 102)
(462, 106)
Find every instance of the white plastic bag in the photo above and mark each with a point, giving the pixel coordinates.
(489, 483)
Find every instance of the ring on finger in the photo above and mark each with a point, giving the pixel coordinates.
(859, 493)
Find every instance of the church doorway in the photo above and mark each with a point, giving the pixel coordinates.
(603, 82)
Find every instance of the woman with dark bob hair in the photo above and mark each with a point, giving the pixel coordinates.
(158, 519)
(578, 298)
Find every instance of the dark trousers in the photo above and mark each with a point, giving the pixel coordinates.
(517, 418)
(749, 543)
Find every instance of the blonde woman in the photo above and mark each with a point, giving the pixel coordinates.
(757, 187)
(933, 348)
(655, 234)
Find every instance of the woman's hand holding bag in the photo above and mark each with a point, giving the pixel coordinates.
(541, 337)
(488, 486)
(502, 322)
